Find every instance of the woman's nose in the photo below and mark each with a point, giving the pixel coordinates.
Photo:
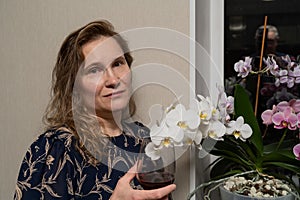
(112, 79)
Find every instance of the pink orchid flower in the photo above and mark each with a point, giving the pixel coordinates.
(281, 106)
(267, 115)
(290, 82)
(297, 74)
(295, 104)
(298, 117)
(243, 67)
(285, 119)
(283, 76)
(272, 65)
(296, 151)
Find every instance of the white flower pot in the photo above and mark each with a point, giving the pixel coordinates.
(227, 195)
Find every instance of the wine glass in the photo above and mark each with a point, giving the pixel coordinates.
(153, 174)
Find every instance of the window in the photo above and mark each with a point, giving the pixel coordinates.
(243, 17)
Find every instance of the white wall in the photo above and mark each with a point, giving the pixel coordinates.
(31, 34)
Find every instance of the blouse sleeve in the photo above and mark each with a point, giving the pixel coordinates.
(46, 171)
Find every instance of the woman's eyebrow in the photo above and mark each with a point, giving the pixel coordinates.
(98, 63)
(122, 57)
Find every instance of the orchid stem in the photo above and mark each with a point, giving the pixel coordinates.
(265, 132)
(281, 139)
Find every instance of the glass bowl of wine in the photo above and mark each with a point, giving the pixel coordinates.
(159, 172)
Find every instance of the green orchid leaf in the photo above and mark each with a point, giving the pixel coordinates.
(286, 144)
(227, 149)
(226, 174)
(232, 156)
(282, 165)
(224, 168)
(288, 153)
(245, 147)
(220, 167)
(212, 164)
(281, 157)
(243, 107)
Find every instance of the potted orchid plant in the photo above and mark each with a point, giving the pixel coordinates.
(271, 162)
(245, 164)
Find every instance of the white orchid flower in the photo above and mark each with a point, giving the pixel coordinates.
(192, 137)
(210, 125)
(206, 110)
(153, 151)
(203, 129)
(164, 135)
(226, 102)
(238, 129)
(182, 118)
(225, 105)
(195, 105)
(216, 130)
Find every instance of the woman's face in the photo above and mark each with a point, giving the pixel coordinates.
(105, 78)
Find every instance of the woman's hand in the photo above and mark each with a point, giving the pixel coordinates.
(123, 190)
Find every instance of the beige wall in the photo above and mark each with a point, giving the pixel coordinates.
(30, 36)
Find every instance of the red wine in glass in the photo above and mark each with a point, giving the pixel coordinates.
(157, 173)
(154, 180)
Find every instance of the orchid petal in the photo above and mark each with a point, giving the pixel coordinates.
(283, 72)
(282, 105)
(230, 127)
(203, 129)
(296, 151)
(173, 117)
(246, 131)
(283, 79)
(192, 119)
(216, 130)
(267, 117)
(290, 82)
(295, 104)
(277, 82)
(292, 121)
(152, 152)
(298, 117)
(278, 118)
(239, 122)
(287, 112)
(176, 133)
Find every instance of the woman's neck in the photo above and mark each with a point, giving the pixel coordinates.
(111, 126)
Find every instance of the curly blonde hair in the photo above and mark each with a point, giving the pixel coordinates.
(65, 108)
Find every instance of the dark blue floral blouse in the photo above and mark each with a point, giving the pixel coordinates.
(53, 168)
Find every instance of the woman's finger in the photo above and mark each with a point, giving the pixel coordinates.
(156, 193)
(130, 174)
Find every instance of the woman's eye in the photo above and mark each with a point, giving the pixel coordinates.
(95, 70)
(119, 63)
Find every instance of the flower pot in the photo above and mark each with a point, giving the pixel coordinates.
(227, 195)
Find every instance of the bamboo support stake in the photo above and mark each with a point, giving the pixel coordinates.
(260, 65)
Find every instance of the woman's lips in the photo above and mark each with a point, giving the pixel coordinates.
(114, 94)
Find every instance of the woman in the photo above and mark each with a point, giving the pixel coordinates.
(89, 148)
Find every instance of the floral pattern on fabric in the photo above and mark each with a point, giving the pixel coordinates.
(54, 169)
